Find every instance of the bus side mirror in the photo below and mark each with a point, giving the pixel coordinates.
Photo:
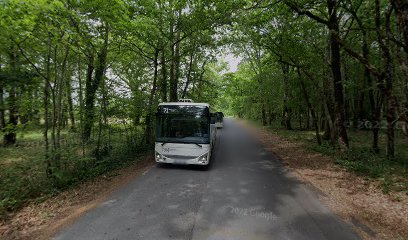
(212, 119)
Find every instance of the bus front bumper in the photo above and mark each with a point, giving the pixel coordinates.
(182, 160)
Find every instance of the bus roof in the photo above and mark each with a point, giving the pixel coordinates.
(184, 104)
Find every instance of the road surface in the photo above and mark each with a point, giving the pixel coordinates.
(246, 194)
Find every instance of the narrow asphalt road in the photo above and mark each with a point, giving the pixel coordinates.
(246, 194)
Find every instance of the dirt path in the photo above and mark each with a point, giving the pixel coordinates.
(42, 221)
(359, 201)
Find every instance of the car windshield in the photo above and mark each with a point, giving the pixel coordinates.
(182, 124)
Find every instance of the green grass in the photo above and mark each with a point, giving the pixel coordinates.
(23, 167)
(392, 173)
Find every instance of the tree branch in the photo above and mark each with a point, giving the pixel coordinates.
(30, 62)
(357, 56)
(300, 11)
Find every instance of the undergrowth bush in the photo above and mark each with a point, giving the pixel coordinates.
(23, 175)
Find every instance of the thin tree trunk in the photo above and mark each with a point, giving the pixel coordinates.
(311, 109)
(149, 122)
(367, 74)
(59, 107)
(36, 118)
(2, 117)
(54, 113)
(81, 103)
(49, 171)
(70, 103)
(10, 136)
(2, 107)
(100, 152)
(375, 106)
(188, 77)
(173, 83)
(287, 112)
(387, 86)
(163, 83)
(176, 68)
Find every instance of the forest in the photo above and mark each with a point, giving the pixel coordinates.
(80, 81)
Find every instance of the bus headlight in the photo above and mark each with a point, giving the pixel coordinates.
(159, 157)
(203, 158)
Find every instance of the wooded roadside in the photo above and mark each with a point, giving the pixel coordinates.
(357, 199)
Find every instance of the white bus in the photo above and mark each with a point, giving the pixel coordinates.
(185, 133)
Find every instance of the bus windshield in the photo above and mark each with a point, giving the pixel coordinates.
(183, 124)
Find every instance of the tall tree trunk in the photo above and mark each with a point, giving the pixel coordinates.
(10, 135)
(46, 106)
(59, 107)
(70, 103)
(163, 82)
(287, 112)
(92, 85)
(90, 92)
(375, 106)
(149, 122)
(173, 82)
(2, 107)
(387, 83)
(81, 101)
(2, 117)
(330, 132)
(54, 113)
(102, 151)
(337, 79)
(367, 75)
(188, 76)
(176, 67)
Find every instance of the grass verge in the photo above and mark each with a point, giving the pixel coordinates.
(392, 174)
